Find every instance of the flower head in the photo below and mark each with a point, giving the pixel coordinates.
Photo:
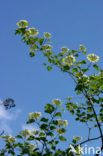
(64, 50)
(25, 133)
(93, 58)
(69, 60)
(33, 32)
(47, 35)
(60, 131)
(77, 138)
(31, 146)
(62, 122)
(22, 24)
(9, 138)
(35, 132)
(35, 115)
(32, 48)
(57, 102)
(47, 47)
(82, 48)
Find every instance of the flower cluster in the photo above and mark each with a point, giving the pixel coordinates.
(57, 102)
(47, 47)
(35, 115)
(82, 48)
(47, 35)
(35, 132)
(69, 60)
(60, 131)
(25, 133)
(31, 146)
(77, 138)
(93, 58)
(33, 32)
(62, 122)
(64, 50)
(85, 78)
(32, 48)
(9, 138)
(22, 24)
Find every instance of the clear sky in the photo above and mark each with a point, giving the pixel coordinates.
(71, 23)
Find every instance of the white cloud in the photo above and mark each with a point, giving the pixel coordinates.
(6, 117)
(4, 114)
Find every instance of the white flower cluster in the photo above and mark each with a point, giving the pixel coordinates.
(9, 138)
(35, 115)
(64, 50)
(82, 48)
(47, 47)
(22, 24)
(93, 58)
(63, 123)
(69, 60)
(33, 32)
(57, 102)
(47, 35)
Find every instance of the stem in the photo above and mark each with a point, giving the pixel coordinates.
(88, 140)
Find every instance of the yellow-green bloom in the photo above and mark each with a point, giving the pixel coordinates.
(25, 133)
(69, 60)
(47, 47)
(35, 132)
(77, 138)
(85, 78)
(57, 102)
(62, 122)
(31, 146)
(35, 115)
(60, 131)
(93, 58)
(33, 32)
(82, 48)
(64, 50)
(47, 35)
(32, 48)
(22, 24)
(9, 138)
(69, 98)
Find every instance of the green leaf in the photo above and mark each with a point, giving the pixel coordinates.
(65, 68)
(41, 40)
(89, 109)
(96, 67)
(49, 108)
(44, 127)
(58, 114)
(52, 127)
(100, 99)
(74, 70)
(62, 138)
(49, 68)
(44, 64)
(30, 121)
(32, 54)
(44, 119)
(50, 134)
(101, 110)
(19, 137)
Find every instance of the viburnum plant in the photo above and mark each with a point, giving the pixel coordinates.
(88, 78)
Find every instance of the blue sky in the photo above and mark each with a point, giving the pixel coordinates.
(71, 23)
